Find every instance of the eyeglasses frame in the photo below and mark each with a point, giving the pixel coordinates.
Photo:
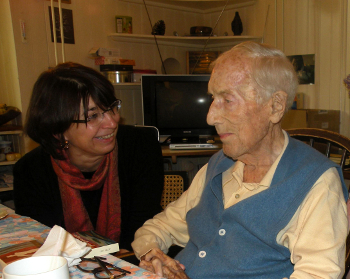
(103, 266)
(117, 103)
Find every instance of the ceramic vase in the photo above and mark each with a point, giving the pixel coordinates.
(236, 25)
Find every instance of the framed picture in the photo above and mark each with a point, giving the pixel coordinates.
(68, 30)
(304, 66)
(198, 62)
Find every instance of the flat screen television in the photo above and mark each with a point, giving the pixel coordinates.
(177, 105)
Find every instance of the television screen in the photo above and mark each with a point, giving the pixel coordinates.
(177, 105)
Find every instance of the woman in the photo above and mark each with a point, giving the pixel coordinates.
(88, 173)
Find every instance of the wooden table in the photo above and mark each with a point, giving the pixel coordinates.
(16, 229)
(174, 153)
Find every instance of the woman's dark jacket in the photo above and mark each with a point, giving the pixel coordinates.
(140, 167)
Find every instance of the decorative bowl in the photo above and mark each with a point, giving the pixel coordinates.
(200, 30)
(8, 113)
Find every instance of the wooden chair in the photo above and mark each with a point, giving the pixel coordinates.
(175, 183)
(337, 148)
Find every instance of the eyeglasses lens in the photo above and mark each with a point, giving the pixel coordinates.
(97, 117)
(93, 267)
(115, 274)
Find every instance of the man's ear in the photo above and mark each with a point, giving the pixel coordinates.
(279, 102)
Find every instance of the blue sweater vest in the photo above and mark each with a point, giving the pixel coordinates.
(240, 242)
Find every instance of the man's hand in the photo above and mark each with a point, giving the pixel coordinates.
(162, 265)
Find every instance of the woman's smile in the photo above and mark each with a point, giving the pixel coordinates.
(106, 136)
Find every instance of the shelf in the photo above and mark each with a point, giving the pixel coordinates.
(10, 129)
(187, 41)
(127, 85)
(15, 132)
(6, 188)
(7, 163)
(198, 6)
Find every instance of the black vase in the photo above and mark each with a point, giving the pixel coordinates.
(236, 25)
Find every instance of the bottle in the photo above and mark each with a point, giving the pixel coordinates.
(236, 25)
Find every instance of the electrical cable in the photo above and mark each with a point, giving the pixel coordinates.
(211, 34)
(267, 14)
(206, 43)
(155, 38)
(54, 30)
(61, 31)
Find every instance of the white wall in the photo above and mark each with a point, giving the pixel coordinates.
(10, 91)
(318, 27)
(295, 26)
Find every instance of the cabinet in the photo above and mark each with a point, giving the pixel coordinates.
(15, 136)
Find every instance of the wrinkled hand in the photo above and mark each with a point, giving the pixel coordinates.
(162, 265)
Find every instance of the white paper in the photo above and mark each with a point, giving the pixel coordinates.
(61, 243)
(104, 250)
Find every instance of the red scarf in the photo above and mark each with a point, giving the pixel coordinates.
(71, 181)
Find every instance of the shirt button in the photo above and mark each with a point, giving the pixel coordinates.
(222, 232)
(202, 254)
(237, 196)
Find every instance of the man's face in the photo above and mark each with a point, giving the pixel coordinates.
(241, 123)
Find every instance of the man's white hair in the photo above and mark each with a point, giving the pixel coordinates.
(270, 70)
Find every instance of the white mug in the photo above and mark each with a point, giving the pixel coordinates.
(41, 267)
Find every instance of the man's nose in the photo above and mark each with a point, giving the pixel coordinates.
(213, 116)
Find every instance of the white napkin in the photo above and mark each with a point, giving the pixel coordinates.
(61, 243)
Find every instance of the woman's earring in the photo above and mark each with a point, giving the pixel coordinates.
(65, 145)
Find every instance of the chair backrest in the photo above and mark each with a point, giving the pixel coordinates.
(336, 147)
(152, 128)
(175, 183)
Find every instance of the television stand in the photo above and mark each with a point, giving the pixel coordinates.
(193, 139)
(174, 153)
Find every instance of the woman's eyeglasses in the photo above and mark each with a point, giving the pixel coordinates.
(101, 269)
(97, 116)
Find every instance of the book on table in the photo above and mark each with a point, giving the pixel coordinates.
(18, 251)
(93, 239)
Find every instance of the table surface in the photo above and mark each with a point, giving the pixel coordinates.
(174, 153)
(16, 229)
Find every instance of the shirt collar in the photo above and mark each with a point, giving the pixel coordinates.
(236, 171)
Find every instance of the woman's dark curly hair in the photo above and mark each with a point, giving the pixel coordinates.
(56, 99)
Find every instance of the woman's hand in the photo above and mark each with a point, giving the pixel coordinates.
(162, 265)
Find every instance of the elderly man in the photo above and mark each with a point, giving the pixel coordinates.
(267, 205)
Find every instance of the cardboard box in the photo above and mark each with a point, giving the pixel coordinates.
(294, 119)
(106, 52)
(324, 119)
(123, 24)
(312, 118)
(101, 60)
